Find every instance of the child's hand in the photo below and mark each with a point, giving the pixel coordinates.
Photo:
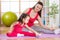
(38, 34)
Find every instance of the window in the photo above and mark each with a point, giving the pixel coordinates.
(18, 6)
(48, 19)
(27, 4)
(10, 5)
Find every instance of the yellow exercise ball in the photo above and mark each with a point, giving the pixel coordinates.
(8, 18)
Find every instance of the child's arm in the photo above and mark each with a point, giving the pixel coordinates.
(11, 27)
(32, 30)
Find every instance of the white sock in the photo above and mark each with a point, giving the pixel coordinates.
(20, 35)
(57, 31)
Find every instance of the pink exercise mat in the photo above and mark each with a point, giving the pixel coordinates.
(40, 36)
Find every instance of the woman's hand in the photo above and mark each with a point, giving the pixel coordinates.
(53, 28)
(49, 28)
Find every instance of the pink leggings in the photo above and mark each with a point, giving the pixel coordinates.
(14, 34)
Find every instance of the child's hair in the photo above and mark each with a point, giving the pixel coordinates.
(24, 15)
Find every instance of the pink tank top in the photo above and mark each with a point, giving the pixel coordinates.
(31, 20)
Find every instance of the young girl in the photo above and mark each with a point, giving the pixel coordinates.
(17, 27)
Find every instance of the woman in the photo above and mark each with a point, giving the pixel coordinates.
(35, 14)
(16, 28)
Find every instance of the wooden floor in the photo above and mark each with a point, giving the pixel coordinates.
(4, 30)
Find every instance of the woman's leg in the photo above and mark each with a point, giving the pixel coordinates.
(40, 29)
(25, 29)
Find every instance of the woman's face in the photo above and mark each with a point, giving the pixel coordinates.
(38, 7)
(26, 20)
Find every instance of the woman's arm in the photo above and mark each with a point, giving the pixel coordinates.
(40, 22)
(42, 25)
(32, 30)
